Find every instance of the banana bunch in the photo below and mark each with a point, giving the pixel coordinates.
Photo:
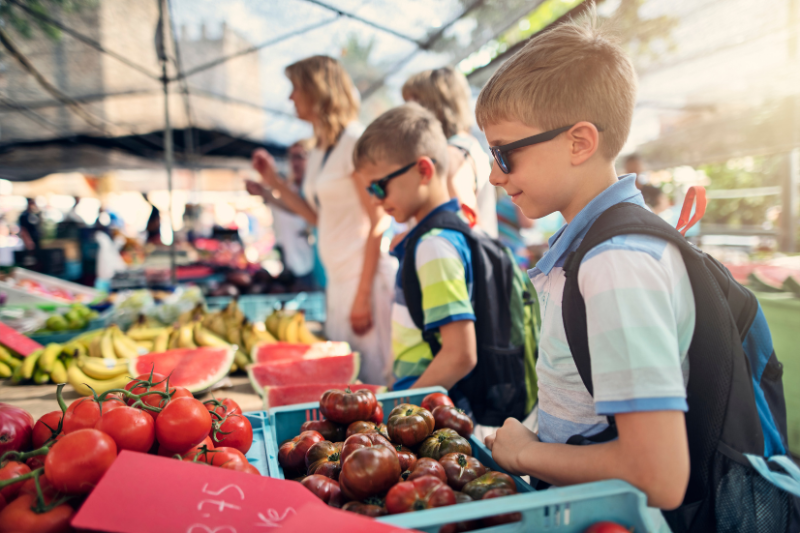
(290, 326)
(97, 373)
(113, 343)
(9, 362)
(49, 364)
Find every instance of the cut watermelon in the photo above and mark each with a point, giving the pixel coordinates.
(278, 351)
(310, 392)
(324, 369)
(194, 368)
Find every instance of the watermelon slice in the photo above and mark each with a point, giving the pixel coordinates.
(791, 284)
(323, 369)
(17, 341)
(194, 368)
(277, 351)
(310, 392)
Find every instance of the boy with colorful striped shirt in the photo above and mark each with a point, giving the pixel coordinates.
(402, 159)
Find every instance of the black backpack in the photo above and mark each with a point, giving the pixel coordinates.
(503, 384)
(726, 491)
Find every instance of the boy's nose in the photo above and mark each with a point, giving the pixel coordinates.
(497, 177)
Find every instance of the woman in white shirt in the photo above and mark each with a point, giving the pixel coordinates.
(360, 276)
(445, 92)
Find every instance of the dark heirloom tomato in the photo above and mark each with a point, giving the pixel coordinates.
(447, 416)
(477, 488)
(461, 469)
(364, 440)
(325, 489)
(330, 430)
(500, 519)
(461, 497)
(425, 467)
(377, 414)
(434, 400)
(292, 454)
(372, 507)
(407, 458)
(362, 426)
(409, 425)
(368, 471)
(425, 492)
(442, 442)
(346, 406)
(323, 459)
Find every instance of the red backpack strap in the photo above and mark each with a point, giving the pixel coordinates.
(684, 222)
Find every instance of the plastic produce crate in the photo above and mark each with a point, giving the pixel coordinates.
(561, 510)
(257, 307)
(20, 296)
(257, 454)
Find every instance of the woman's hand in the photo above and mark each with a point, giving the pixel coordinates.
(264, 164)
(361, 314)
(255, 188)
(507, 443)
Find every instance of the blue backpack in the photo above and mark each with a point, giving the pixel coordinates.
(741, 479)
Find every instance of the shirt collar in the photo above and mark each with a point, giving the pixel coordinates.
(450, 205)
(570, 235)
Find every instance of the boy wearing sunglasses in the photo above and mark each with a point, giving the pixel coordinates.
(556, 116)
(402, 160)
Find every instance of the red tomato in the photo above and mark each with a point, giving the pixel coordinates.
(368, 471)
(138, 389)
(234, 451)
(76, 463)
(500, 519)
(45, 427)
(182, 424)
(84, 413)
(330, 430)
(434, 400)
(16, 428)
(425, 492)
(447, 416)
(221, 457)
(325, 489)
(203, 456)
(292, 454)
(223, 407)
(426, 466)
(238, 466)
(18, 517)
(409, 425)
(48, 491)
(606, 527)
(377, 414)
(2, 502)
(234, 432)
(180, 392)
(347, 406)
(461, 469)
(130, 428)
(323, 459)
(11, 470)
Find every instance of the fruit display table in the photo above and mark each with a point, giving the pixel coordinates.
(40, 399)
(782, 311)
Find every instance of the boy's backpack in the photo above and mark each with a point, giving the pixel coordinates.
(503, 383)
(735, 398)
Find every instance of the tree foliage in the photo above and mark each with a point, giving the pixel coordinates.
(742, 173)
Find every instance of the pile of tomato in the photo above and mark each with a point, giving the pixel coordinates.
(48, 468)
(419, 459)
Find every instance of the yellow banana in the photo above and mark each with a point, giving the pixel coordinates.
(173, 338)
(72, 347)
(40, 377)
(29, 364)
(48, 357)
(144, 334)
(8, 359)
(5, 370)
(81, 382)
(234, 332)
(283, 325)
(17, 376)
(86, 338)
(102, 368)
(293, 328)
(306, 337)
(240, 359)
(234, 368)
(94, 347)
(186, 337)
(272, 323)
(122, 349)
(107, 345)
(203, 337)
(161, 342)
(59, 373)
(215, 323)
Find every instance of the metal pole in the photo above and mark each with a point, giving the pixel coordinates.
(161, 39)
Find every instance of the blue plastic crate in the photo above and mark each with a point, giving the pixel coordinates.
(257, 455)
(257, 307)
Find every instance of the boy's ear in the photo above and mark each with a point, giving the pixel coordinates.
(584, 142)
(426, 169)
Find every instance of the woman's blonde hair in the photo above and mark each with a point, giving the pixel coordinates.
(326, 84)
(445, 92)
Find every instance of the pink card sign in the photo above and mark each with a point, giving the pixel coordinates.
(143, 492)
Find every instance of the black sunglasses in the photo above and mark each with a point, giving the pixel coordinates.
(378, 187)
(499, 152)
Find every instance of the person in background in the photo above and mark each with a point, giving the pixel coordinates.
(360, 277)
(445, 92)
(72, 215)
(510, 221)
(30, 225)
(291, 230)
(153, 228)
(633, 165)
(656, 199)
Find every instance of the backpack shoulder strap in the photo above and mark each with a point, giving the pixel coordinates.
(622, 219)
(412, 292)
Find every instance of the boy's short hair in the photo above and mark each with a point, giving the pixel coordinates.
(444, 91)
(400, 136)
(571, 73)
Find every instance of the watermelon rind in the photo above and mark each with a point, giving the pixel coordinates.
(376, 389)
(759, 283)
(200, 386)
(791, 284)
(260, 388)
